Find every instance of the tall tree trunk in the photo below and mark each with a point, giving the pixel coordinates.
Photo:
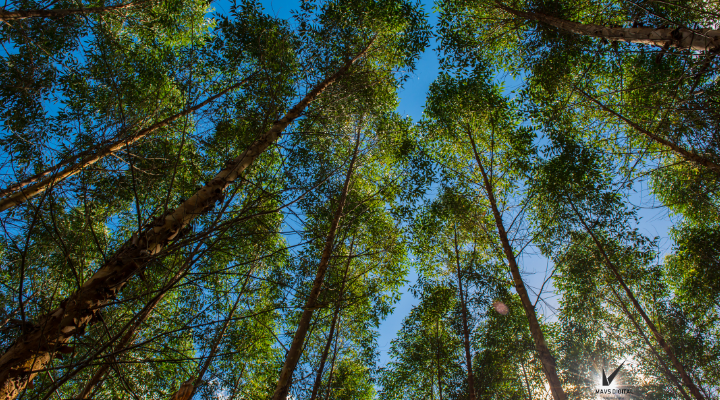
(439, 371)
(682, 38)
(686, 379)
(188, 388)
(466, 331)
(685, 154)
(333, 324)
(293, 354)
(548, 361)
(332, 369)
(36, 347)
(23, 14)
(65, 170)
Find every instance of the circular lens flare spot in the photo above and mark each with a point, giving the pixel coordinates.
(500, 307)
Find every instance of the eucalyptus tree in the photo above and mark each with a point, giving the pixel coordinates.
(426, 354)
(345, 286)
(459, 280)
(494, 157)
(452, 249)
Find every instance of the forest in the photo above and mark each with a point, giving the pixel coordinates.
(209, 200)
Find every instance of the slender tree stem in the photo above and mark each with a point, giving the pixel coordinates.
(293, 356)
(20, 193)
(680, 151)
(466, 330)
(333, 324)
(661, 363)
(188, 388)
(548, 361)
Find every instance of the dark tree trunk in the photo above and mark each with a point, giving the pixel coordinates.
(681, 38)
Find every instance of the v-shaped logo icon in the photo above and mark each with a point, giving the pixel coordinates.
(608, 380)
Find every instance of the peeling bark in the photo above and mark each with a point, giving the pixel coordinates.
(55, 175)
(34, 349)
(24, 14)
(681, 38)
(295, 351)
(548, 361)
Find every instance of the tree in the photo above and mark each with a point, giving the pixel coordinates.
(477, 110)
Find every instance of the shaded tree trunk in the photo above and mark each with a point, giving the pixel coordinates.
(333, 324)
(681, 38)
(466, 331)
(35, 348)
(546, 358)
(686, 379)
(66, 169)
(295, 351)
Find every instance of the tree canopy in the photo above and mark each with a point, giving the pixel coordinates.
(205, 200)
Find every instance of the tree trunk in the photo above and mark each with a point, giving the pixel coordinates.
(548, 361)
(332, 369)
(685, 154)
(56, 175)
(23, 14)
(188, 388)
(466, 331)
(293, 356)
(35, 348)
(437, 343)
(333, 324)
(686, 379)
(682, 38)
